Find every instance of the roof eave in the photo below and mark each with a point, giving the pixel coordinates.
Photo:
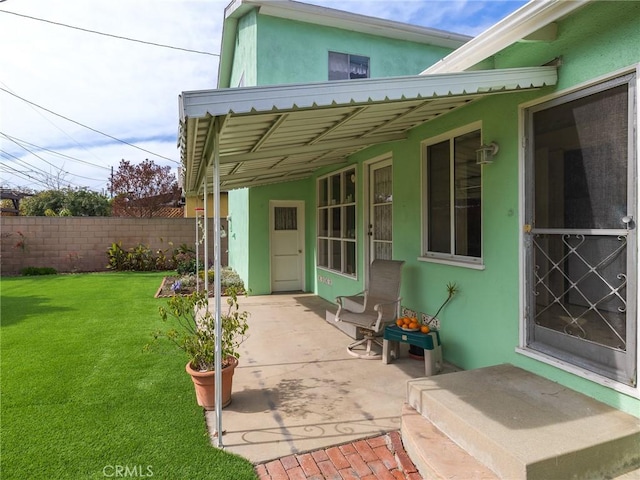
(523, 22)
(201, 111)
(197, 104)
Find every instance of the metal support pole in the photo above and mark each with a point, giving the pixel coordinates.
(217, 283)
(197, 210)
(206, 236)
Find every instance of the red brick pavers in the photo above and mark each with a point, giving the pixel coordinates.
(378, 458)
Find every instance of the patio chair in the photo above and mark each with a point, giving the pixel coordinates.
(373, 309)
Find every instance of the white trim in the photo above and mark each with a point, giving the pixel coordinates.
(523, 22)
(452, 262)
(572, 369)
(381, 161)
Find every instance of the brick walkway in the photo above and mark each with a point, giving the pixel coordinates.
(378, 458)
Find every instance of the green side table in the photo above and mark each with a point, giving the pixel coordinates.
(430, 342)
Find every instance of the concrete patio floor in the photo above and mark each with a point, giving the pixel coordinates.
(297, 390)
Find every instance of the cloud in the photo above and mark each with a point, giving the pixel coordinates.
(130, 90)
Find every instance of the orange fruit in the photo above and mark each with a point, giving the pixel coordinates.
(400, 322)
(425, 329)
(406, 320)
(413, 325)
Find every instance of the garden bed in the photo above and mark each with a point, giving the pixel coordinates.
(188, 285)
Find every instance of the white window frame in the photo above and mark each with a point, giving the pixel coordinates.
(346, 236)
(476, 263)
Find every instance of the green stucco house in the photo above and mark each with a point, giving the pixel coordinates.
(506, 163)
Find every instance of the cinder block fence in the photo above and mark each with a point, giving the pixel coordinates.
(79, 244)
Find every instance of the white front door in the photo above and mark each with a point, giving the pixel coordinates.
(287, 245)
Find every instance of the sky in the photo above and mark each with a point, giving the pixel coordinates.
(55, 81)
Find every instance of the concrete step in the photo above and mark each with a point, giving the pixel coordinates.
(522, 426)
(434, 454)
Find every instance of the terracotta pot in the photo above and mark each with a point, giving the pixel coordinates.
(204, 383)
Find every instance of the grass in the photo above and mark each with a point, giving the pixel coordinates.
(80, 398)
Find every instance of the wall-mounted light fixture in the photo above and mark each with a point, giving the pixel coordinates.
(485, 154)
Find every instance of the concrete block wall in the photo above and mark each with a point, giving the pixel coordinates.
(80, 244)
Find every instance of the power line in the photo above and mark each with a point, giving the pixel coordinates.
(54, 125)
(33, 168)
(111, 35)
(16, 139)
(60, 170)
(20, 174)
(87, 127)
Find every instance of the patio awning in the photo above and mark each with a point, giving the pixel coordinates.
(280, 133)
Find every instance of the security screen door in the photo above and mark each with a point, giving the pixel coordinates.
(580, 237)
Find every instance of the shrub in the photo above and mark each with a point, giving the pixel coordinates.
(32, 271)
(117, 257)
(185, 260)
(229, 279)
(139, 259)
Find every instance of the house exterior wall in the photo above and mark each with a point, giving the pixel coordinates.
(271, 50)
(599, 38)
(245, 54)
(481, 326)
(238, 234)
(295, 52)
(193, 202)
(259, 270)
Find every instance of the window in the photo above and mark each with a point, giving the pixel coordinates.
(343, 66)
(337, 222)
(453, 198)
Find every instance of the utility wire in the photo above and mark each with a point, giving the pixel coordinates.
(16, 139)
(111, 35)
(87, 127)
(22, 175)
(60, 170)
(33, 168)
(54, 125)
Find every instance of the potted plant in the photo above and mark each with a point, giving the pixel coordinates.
(194, 333)
(432, 320)
(452, 289)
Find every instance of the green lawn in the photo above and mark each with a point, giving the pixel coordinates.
(80, 398)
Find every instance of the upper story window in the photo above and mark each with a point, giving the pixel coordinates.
(453, 198)
(343, 66)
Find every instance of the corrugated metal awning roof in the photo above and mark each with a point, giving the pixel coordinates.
(286, 132)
